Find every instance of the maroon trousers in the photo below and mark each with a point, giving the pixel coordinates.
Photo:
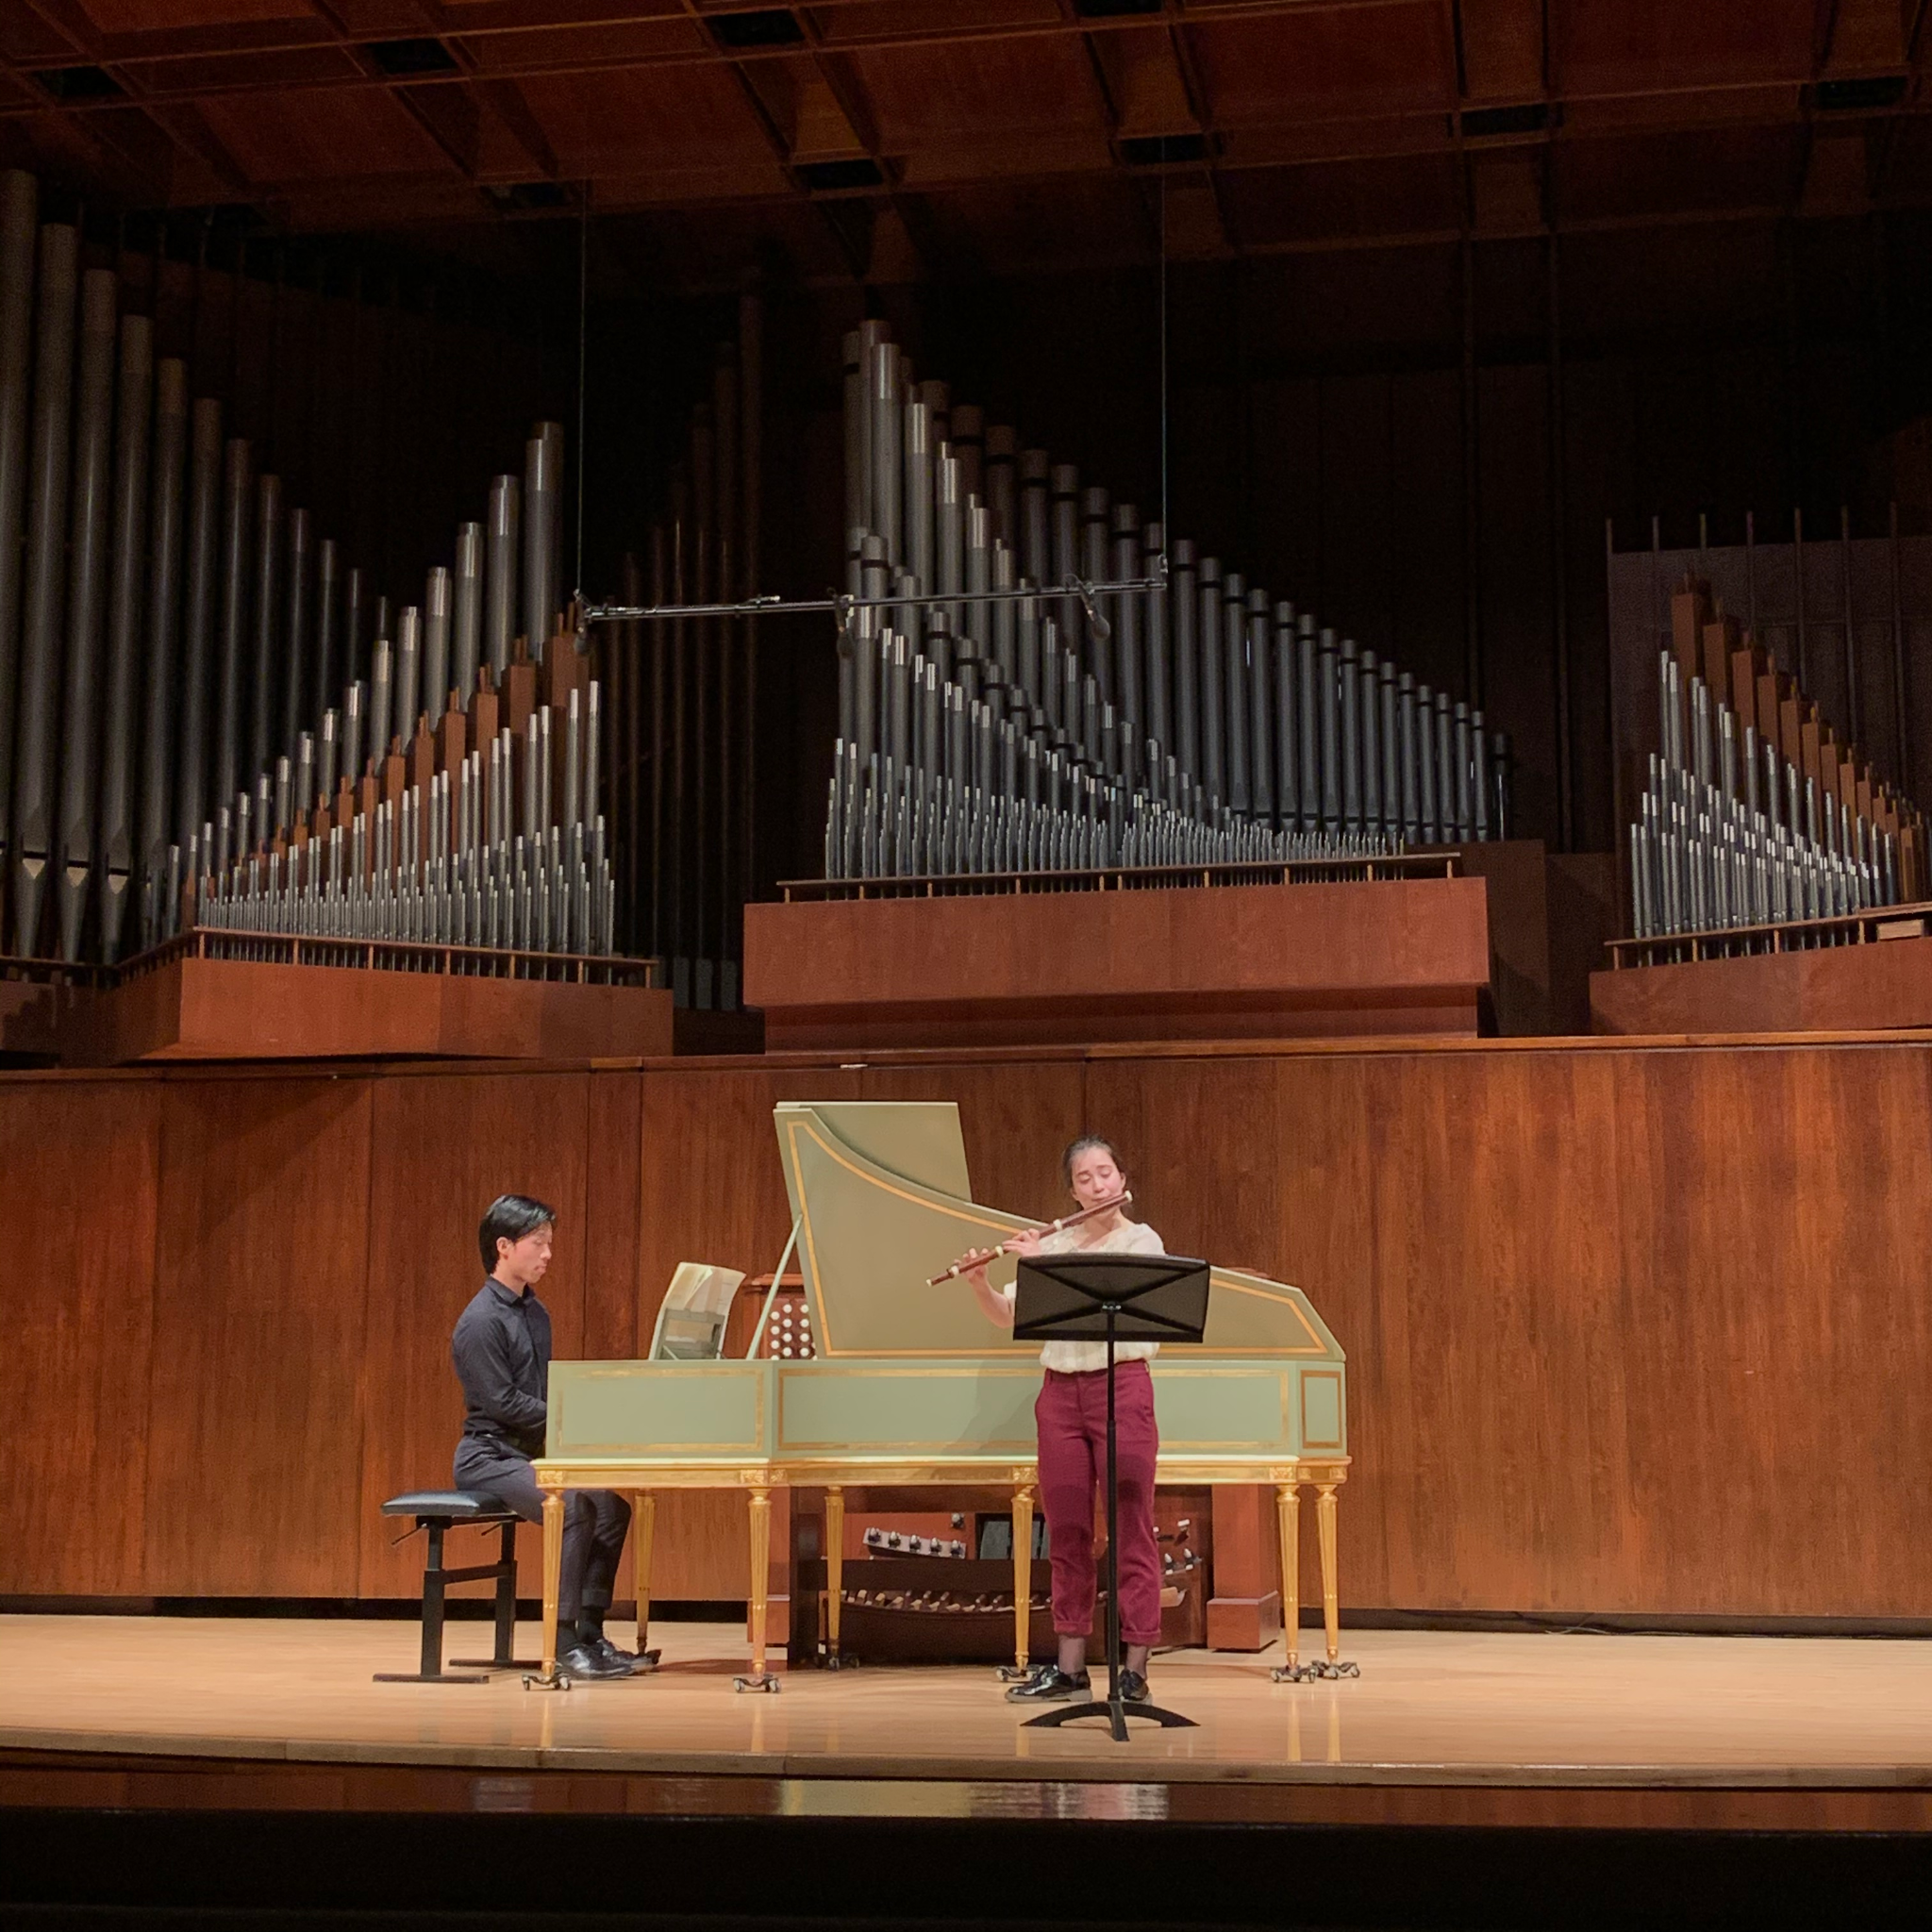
(1072, 1418)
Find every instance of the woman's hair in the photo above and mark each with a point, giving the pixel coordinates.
(1086, 1142)
(511, 1217)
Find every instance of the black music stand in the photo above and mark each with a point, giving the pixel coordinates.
(1117, 1298)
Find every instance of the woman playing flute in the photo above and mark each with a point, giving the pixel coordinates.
(1070, 1416)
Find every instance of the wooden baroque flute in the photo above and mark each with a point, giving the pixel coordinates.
(961, 1266)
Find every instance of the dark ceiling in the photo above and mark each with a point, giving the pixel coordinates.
(898, 140)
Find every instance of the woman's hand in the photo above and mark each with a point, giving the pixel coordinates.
(1026, 1244)
(972, 1265)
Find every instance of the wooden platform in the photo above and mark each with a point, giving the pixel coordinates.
(1738, 1729)
(1879, 986)
(1401, 956)
(214, 1009)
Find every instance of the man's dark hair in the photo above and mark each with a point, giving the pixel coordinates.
(511, 1217)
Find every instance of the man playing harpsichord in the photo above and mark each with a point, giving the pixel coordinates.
(501, 1349)
(1070, 1416)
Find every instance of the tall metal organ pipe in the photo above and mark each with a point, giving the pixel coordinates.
(19, 198)
(33, 769)
(87, 534)
(133, 433)
(165, 533)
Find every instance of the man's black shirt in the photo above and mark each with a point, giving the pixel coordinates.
(501, 1349)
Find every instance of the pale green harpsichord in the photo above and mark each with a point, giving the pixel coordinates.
(910, 1384)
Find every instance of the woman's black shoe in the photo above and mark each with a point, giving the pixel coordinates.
(1049, 1685)
(1133, 1686)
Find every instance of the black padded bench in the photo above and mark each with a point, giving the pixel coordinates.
(437, 1511)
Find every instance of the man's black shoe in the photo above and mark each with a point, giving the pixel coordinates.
(1133, 1686)
(584, 1661)
(638, 1662)
(1049, 1685)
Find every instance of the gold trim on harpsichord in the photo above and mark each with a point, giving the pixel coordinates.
(802, 1116)
(991, 1221)
(753, 1375)
(1263, 1290)
(634, 1472)
(1337, 1441)
(823, 1380)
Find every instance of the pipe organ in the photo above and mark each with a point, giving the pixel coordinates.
(1034, 678)
(686, 692)
(1754, 813)
(209, 712)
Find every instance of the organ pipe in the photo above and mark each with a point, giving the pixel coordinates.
(199, 723)
(1071, 722)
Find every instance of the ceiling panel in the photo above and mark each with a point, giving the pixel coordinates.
(998, 88)
(1324, 64)
(165, 16)
(1660, 46)
(311, 133)
(1004, 132)
(632, 118)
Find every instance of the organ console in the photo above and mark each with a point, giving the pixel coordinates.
(911, 1388)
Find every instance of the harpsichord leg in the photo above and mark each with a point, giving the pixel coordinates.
(645, 1506)
(1287, 1509)
(759, 1678)
(835, 1574)
(1331, 1614)
(1023, 1586)
(550, 1677)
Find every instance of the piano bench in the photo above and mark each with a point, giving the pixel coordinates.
(437, 1511)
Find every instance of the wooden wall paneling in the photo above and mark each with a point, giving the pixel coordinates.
(256, 1416)
(80, 1166)
(1450, 1222)
(713, 1190)
(613, 1205)
(613, 1211)
(1202, 1149)
(1777, 1212)
(442, 1146)
(1015, 1118)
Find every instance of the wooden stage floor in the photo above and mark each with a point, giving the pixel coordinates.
(1806, 1733)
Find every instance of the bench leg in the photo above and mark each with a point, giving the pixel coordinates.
(503, 1655)
(434, 1595)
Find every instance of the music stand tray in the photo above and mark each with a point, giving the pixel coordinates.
(1115, 1298)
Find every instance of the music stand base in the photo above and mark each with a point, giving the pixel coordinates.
(1117, 1711)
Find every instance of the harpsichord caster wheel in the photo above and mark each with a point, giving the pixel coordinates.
(767, 1683)
(841, 1660)
(646, 1663)
(558, 1680)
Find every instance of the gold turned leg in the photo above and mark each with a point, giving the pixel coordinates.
(553, 1576)
(1331, 1609)
(759, 1678)
(1287, 1511)
(1023, 1577)
(835, 1570)
(645, 1507)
